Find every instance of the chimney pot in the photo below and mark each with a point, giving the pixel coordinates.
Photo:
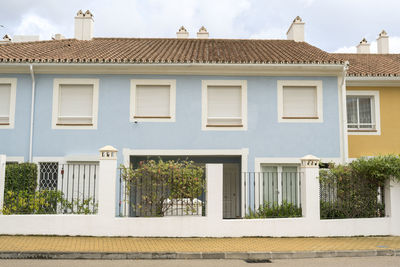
(296, 30)
(363, 47)
(383, 43)
(182, 33)
(58, 36)
(84, 25)
(6, 38)
(80, 13)
(202, 33)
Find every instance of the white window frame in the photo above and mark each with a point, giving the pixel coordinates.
(376, 112)
(172, 99)
(13, 96)
(56, 96)
(312, 83)
(279, 163)
(204, 88)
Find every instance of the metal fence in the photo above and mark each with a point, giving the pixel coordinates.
(62, 189)
(157, 197)
(272, 194)
(342, 198)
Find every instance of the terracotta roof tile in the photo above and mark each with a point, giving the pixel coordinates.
(164, 50)
(370, 65)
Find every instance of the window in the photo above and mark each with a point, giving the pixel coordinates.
(48, 175)
(7, 102)
(224, 105)
(153, 100)
(280, 183)
(75, 103)
(363, 112)
(300, 101)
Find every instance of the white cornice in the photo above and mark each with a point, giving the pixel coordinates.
(183, 69)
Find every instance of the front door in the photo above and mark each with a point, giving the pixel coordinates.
(231, 191)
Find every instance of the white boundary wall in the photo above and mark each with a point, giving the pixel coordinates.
(213, 225)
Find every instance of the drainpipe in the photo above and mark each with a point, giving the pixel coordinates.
(344, 115)
(32, 112)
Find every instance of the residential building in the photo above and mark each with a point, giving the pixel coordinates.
(373, 93)
(253, 105)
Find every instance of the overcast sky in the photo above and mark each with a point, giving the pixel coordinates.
(332, 25)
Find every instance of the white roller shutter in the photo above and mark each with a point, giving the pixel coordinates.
(75, 104)
(152, 101)
(300, 102)
(5, 98)
(224, 105)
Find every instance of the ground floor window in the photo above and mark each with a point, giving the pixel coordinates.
(48, 175)
(280, 184)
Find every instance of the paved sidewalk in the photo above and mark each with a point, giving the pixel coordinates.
(127, 247)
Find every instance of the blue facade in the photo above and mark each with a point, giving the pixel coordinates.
(265, 137)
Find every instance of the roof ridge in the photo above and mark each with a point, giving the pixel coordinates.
(186, 39)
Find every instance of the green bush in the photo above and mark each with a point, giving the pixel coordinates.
(352, 190)
(21, 177)
(273, 210)
(338, 210)
(45, 202)
(158, 181)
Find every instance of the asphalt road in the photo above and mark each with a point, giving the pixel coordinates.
(326, 262)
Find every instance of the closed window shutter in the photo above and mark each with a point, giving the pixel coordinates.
(152, 101)
(300, 101)
(75, 104)
(224, 105)
(5, 98)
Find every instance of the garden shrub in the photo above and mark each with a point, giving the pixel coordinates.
(21, 177)
(156, 182)
(353, 190)
(45, 202)
(21, 197)
(274, 210)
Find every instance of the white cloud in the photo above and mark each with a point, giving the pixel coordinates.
(32, 24)
(394, 46)
(159, 18)
(308, 2)
(346, 49)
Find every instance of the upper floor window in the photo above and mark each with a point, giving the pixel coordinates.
(7, 102)
(300, 101)
(224, 105)
(153, 100)
(363, 112)
(75, 103)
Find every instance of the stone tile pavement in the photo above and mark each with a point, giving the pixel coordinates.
(245, 244)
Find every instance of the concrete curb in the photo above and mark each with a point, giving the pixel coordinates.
(198, 255)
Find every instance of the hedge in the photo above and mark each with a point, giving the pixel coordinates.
(21, 177)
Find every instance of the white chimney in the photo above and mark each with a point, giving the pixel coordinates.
(363, 47)
(203, 33)
(84, 25)
(58, 36)
(296, 30)
(182, 33)
(383, 43)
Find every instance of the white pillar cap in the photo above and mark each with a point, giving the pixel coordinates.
(310, 161)
(108, 152)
